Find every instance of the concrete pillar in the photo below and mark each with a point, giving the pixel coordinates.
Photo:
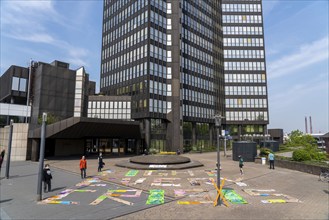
(211, 131)
(239, 132)
(35, 149)
(147, 129)
(193, 133)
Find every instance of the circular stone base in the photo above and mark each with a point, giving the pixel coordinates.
(160, 159)
(159, 162)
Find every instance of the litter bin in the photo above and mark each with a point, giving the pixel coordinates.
(263, 160)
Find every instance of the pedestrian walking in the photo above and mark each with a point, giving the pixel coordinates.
(100, 162)
(241, 164)
(47, 177)
(271, 159)
(83, 167)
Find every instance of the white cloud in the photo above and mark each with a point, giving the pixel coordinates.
(307, 55)
(34, 21)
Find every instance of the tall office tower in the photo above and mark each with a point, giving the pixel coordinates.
(167, 55)
(246, 99)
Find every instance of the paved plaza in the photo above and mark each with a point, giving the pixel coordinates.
(188, 194)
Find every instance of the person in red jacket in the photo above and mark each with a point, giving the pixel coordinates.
(83, 167)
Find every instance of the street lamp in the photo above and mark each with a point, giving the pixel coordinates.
(218, 123)
(42, 155)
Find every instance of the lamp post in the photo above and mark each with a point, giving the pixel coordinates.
(42, 155)
(218, 123)
(10, 138)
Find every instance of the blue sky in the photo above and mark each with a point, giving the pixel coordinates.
(296, 39)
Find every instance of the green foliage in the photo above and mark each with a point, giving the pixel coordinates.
(51, 119)
(309, 153)
(297, 138)
(301, 155)
(264, 152)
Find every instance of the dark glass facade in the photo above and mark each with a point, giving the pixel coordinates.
(246, 98)
(168, 56)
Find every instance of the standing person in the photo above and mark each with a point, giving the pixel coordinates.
(83, 167)
(100, 162)
(47, 179)
(241, 164)
(271, 159)
(2, 158)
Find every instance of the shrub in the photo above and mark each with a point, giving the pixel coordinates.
(301, 155)
(153, 151)
(318, 156)
(264, 152)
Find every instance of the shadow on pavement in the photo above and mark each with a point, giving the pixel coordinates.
(58, 188)
(6, 200)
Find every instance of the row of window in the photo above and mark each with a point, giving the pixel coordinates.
(79, 92)
(159, 20)
(197, 26)
(109, 115)
(200, 41)
(246, 54)
(245, 90)
(124, 14)
(191, 65)
(124, 29)
(198, 82)
(198, 112)
(201, 4)
(125, 75)
(245, 78)
(160, 70)
(241, 8)
(242, 30)
(199, 97)
(124, 44)
(160, 53)
(161, 5)
(246, 103)
(197, 53)
(160, 37)
(246, 115)
(159, 106)
(197, 13)
(108, 105)
(260, 66)
(243, 42)
(124, 59)
(257, 19)
(160, 88)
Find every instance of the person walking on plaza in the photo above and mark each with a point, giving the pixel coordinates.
(47, 179)
(100, 162)
(2, 158)
(271, 159)
(83, 167)
(241, 164)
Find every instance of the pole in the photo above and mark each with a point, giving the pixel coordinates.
(225, 146)
(28, 92)
(41, 157)
(218, 166)
(9, 147)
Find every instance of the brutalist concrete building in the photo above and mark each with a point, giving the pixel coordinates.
(78, 122)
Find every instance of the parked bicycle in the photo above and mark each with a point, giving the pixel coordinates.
(324, 175)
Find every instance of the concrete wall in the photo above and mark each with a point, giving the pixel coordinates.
(293, 165)
(19, 141)
(64, 147)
